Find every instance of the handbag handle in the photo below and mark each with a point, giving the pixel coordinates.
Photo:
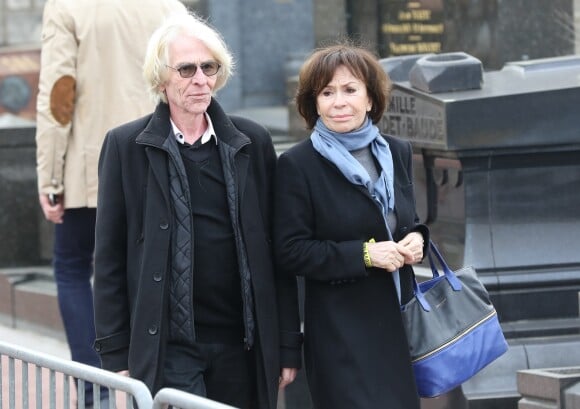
(449, 275)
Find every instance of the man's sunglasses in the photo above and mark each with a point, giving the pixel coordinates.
(188, 70)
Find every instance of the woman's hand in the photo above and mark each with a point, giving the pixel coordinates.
(389, 255)
(414, 243)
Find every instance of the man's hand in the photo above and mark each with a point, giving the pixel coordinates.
(287, 376)
(52, 212)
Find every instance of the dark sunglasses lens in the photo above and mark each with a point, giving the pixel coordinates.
(210, 68)
(187, 70)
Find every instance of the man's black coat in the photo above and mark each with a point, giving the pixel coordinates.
(133, 239)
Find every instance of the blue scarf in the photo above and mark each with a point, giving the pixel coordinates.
(336, 147)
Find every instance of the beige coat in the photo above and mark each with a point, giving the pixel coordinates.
(90, 81)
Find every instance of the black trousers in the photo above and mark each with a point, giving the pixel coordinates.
(220, 372)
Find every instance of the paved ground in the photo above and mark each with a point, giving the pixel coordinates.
(31, 339)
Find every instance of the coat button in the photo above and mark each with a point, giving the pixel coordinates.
(98, 346)
(163, 225)
(157, 276)
(152, 330)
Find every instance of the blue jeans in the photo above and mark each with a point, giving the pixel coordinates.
(74, 244)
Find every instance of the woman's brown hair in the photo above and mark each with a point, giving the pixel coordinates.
(318, 70)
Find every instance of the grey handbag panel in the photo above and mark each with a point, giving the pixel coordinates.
(452, 312)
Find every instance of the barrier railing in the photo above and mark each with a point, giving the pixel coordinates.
(38, 380)
(182, 400)
(31, 379)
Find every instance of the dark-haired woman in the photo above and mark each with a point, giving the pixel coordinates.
(345, 220)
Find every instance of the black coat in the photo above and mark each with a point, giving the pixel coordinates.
(356, 352)
(133, 238)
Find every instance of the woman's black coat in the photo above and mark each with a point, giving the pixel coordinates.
(356, 352)
(133, 239)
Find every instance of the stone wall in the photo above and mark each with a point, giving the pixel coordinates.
(263, 36)
(20, 22)
(24, 230)
(576, 25)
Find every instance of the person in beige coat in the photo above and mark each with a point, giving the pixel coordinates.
(90, 81)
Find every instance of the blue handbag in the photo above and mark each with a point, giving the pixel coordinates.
(452, 328)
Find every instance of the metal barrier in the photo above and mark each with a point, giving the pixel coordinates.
(183, 400)
(33, 378)
(37, 380)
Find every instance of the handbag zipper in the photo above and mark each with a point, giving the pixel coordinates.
(445, 345)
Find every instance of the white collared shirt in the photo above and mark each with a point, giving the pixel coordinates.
(206, 137)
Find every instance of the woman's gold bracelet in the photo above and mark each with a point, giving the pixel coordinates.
(366, 255)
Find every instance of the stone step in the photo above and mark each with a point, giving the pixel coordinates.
(28, 299)
(541, 327)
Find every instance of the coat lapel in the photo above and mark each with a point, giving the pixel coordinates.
(154, 136)
(158, 165)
